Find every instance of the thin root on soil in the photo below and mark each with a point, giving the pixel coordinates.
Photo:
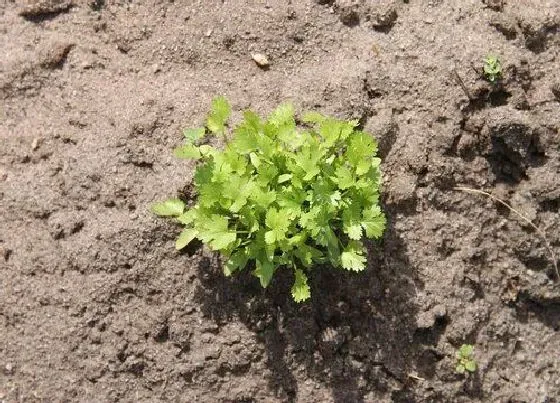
(510, 208)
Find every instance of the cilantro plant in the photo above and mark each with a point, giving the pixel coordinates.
(281, 196)
(465, 359)
(492, 68)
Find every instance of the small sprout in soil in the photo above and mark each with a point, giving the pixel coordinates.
(492, 68)
(465, 359)
(281, 196)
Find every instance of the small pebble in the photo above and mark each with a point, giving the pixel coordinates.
(9, 368)
(35, 144)
(260, 59)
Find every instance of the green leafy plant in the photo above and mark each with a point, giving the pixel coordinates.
(278, 195)
(492, 68)
(465, 359)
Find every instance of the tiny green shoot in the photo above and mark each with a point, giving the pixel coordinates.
(465, 359)
(492, 68)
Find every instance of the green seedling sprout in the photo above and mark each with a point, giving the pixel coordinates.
(465, 359)
(492, 68)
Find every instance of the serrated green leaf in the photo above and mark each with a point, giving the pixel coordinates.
(215, 232)
(203, 174)
(237, 163)
(344, 178)
(335, 198)
(291, 200)
(170, 207)
(249, 219)
(332, 244)
(307, 254)
(236, 261)
(366, 195)
(374, 221)
(354, 231)
(298, 240)
(266, 173)
(210, 194)
(317, 222)
(299, 139)
(255, 160)
(287, 135)
(238, 204)
(264, 271)
(219, 114)
(237, 189)
(283, 115)
(352, 257)
(207, 151)
(284, 178)
(300, 289)
(330, 131)
(460, 369)
(470, 366)
(192, 135)
(306, 161)
(352, 261)
(278, 223)
(313, 117)
(222, 169)
(187, 151)
(185, 237)
(466, 350)
(187, 217)
(363, 167)
(270, 237)
(308, 220)
(361, 145)
(262, 197)
(348, 128)
(245, 139)
(351, 221)
(252, 120)
(266, 148)
(322, 192)
(223, 240)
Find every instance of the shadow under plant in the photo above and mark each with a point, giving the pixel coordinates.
(357, 334)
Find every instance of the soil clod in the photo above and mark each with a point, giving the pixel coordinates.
(37, 9)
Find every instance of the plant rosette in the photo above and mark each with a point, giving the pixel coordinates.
(281, 195)
(465, 360)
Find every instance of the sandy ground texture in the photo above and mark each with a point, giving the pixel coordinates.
(97, 306)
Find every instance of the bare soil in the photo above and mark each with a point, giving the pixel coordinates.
(95, 303)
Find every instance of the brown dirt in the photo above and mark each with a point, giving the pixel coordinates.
(95, 304)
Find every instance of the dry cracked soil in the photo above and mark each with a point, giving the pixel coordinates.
(97, 306)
